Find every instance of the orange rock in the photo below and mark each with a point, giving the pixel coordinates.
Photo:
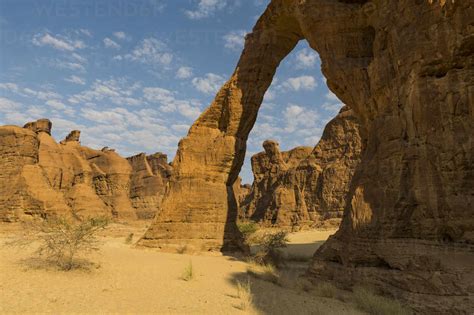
(305, 186)
(41, 177)
(406, 70)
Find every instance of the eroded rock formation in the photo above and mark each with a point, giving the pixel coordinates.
(149, 178)
(41, 177)
(305, 186)
(406, 68)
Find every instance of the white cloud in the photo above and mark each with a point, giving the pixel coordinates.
(76, 80)
(180, 127)
(168, 102)
(296, 84)
(150, 51)
(159, 95)
(42, 95)
(78, 58)
(56, 104)
(85, 32)
(206, 8)
(209, 84)
(117, 91)
(184, 73)
(110, 43)
(8, 105)
(299, 118)
(121, 35)
(13, 87)
(333, 104)
(235, 40)
(57, 42)
(74, 66)
(305, 58)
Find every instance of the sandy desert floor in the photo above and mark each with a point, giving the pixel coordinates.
(127, 280)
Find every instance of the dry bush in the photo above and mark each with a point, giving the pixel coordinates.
(61, 240)
(265, 272)
(270, 245)
(188, 273)
(244, 293)
(326, 289)
(367, 301)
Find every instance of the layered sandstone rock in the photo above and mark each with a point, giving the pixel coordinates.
(305, 186)
(149, 179)
(274, 198)
(406, 68)
(41, 177)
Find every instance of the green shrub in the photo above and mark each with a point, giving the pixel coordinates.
(247, 229)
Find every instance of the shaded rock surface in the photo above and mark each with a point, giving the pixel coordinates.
(305, 186)
(38, 176)
(148, 182)
(406, 69)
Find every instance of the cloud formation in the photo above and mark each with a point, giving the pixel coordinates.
(209, 84)
(206, 8)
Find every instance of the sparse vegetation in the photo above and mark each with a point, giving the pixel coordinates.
(247, 229)
(129, 239)
(188, 273)
(326, 289)
(367, 301)
(270, 245)
(244, 293)
(61, 240)
(265, 272)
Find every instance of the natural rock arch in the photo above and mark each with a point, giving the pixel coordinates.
(406, 68)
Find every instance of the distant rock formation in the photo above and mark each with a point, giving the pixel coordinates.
(305, 186)
(41, 177)
(150, 175)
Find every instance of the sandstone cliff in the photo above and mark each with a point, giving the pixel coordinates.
(148, 182)
(406, 69)
(305, 186)
(41, 177)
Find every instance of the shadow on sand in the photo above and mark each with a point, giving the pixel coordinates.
(292, 292)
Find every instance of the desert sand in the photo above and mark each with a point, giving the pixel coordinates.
(125, 279)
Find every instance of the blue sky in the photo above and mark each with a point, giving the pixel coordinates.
(134, 74)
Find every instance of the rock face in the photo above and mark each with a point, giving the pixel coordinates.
(41, 177)
(406, 69)
(305, 186)
(150, 175)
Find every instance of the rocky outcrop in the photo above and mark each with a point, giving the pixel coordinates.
(150, 176)
(275, 199)
(406, 70)
(305, 186)
(42, 177)
(40, 125)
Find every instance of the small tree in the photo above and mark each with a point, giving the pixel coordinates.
(61, 240)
